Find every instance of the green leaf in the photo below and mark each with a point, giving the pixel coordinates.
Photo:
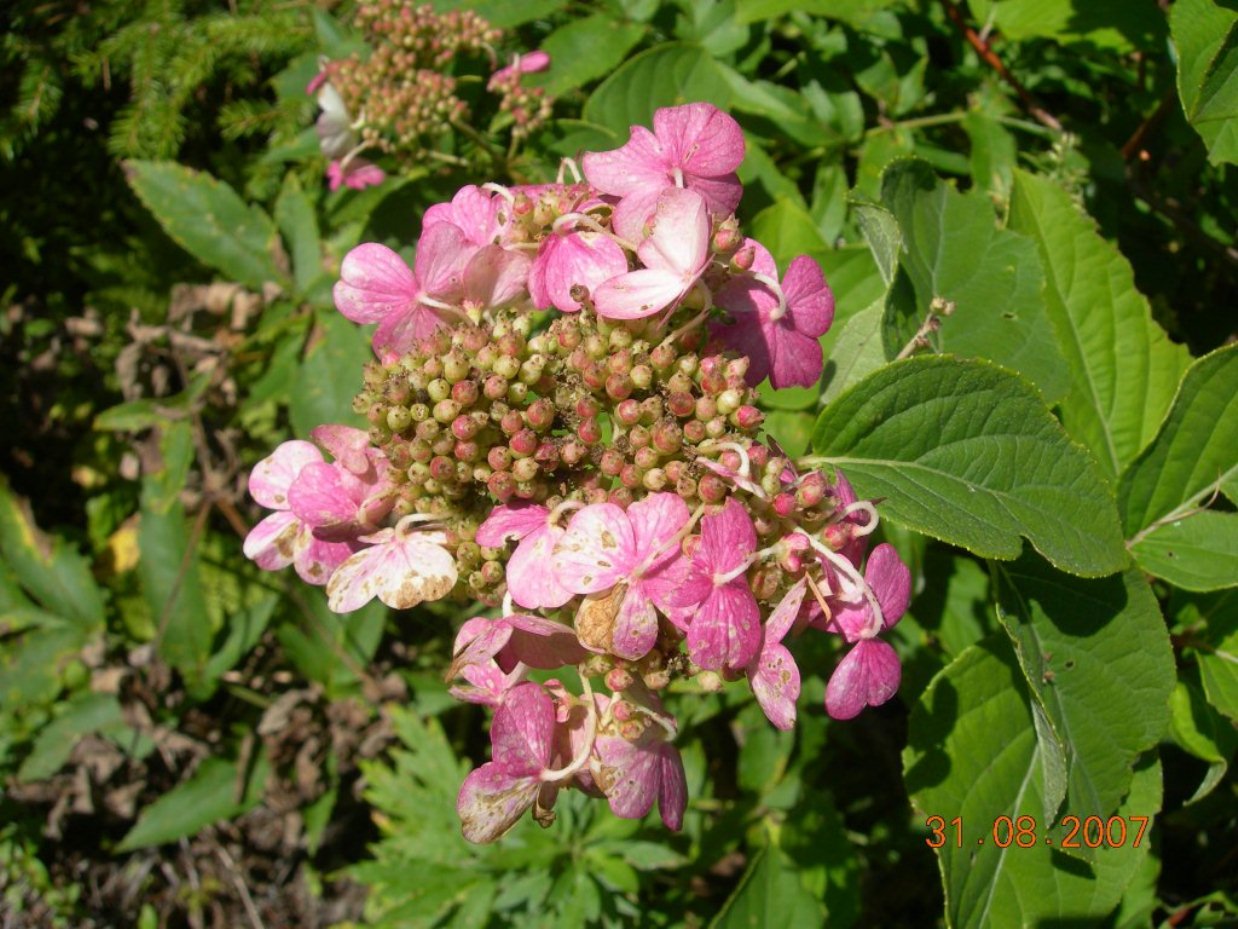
(330, 375)
(787, 231)
(295, 216)
(952, 250)
(851, 11)
(1199, 552)
(244, 628)
(787, 110)
(992, 155)
(1180, 473)
(769, 894)
(49, 569)
(1198, 728)
(792, 429)
(1218, 660)
(85, 714)
(328, 648)
(583, 51)
(857, 352)
(1206, 36)
(1097, 659)
(1121, 25)
(967, 453)
(1123, 368)
(884, 238)
(666, 75)
(209, 220)
(217, 791)
(503, 13)
(973, 753)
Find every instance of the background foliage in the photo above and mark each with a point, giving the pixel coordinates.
(1034, 197)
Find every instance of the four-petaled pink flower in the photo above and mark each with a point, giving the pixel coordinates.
(697, 147)
(725, 631)
(528, 63)
(632, 557)
(522, 741)
(283, 538)
(529, 580)
(632, 774)
(773, 675)
(674, 256)
(779, 336)
(492, 655)
(402, 566)
(574, 259)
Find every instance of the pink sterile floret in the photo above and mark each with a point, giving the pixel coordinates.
(696, 146)
(780, 337)
(605, 547)
(773, 674)
(529, 580)
(354, 173)
(403, 566)
(522, 740)
(725, 631)
(674, 256)
(574, 259)
(890, 582)
(283, 538)
(482, 216)
(633, 774)
(868, 676)
(340, 502)
(529, 63)
(492, 655)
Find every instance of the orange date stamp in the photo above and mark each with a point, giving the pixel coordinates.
(1024, 832)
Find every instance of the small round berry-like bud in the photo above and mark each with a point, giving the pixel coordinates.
(455, 366)
(524, 443)
(712, 488)
(418, 472)
(467, 451)
(540, 415)
(446, 410)
(627, 412)
(589, 431)
(443, 469)
(611, 462)
(492, 572)
(686, 487)
(568, 335)
(587, 408)
(811, 490)
(620, 362)
(694, 432)
(464, 428)
(742, 260)
(377, 413)
(675, 470)
(511, 344)
(667, 437)
(465, 393)
(511, 422)
(680, 383)
(531, 370)
(654, 479)
(525, 469)
(651, 410)
(444, 444)
(631, 476)
(495, 387)
(517, 392)
(618, 679)
(716, 428)
(501, 486)
(729, 401)
(645, 458)
(621, 337)
(642, 376)
(484, 359)
(713, 383)
(639, 437)
(398, 418)
(596, 347)
(747, 417)
(499, 457)
(547, 455)
(507, 366)
(758, 455)
(438, 389)
(662, 356)
(688, 364)
(785, 504)
(572, 453)
(706, 408)
(621, 497)
(419, 450)
(428, 430)
(681, 404)
(619, 386)
(432, 368)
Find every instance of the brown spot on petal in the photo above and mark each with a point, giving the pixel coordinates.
(608, 540)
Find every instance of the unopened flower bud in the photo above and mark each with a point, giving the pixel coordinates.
(784, 504)
(747, 417)
(711, 488)
(628, 412)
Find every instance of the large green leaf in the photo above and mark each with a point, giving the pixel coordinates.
(330, 375)
(770, 893)
(1097, 659)
(295, 215)
(209, 220)
(1168, 485)
(973, 753)
(666, 75)
(952, 250)
(1121, 25)
(218, 790)
(1206, 35)
(585, 50)
(1199, 552)
(1124, 370)
(852, 11)
(53, 573)
(966, 452)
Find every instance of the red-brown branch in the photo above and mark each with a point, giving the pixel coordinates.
(985, 51)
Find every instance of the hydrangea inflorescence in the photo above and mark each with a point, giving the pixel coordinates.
(563, 422)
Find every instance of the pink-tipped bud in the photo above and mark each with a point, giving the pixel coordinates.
(667, 437)
(619, 386)
(495, 387)
(465, 393)
(525, 469)
(464, 428)
(612, 462)
(711, 488)
(727, 236)
(618, 679)
(572, 453)
(501, 486)
(620, 497)
(499, 457)
(524, 443)
(587, 408)
(836, 535)
(694, 432)
(681, 404)
(541, 414)
(706, 408)
(628, 412)
(784, 504)
(511, 423)
(811, 490)
(674, 470)
(622, 710)
(645, 458)
(742, 260)
(662, 356)
(748, 417)
(547, 455)
(589, 431)
(631, 476)
(443, 468)
(730, 460)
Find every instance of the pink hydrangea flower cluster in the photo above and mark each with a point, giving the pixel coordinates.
(401, 98)
(563, 423)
